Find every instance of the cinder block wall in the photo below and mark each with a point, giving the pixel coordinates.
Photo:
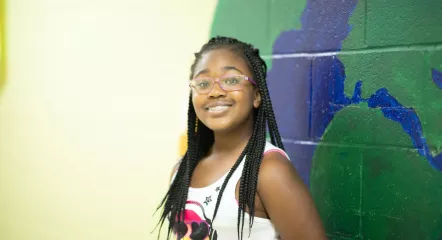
(357, 91)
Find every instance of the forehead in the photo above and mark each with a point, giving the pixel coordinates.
(215, 62)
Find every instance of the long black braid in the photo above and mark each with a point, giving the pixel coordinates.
(200, 139)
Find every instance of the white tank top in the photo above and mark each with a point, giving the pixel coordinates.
(201, 204)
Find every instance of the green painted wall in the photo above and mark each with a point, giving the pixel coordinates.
(357, 92)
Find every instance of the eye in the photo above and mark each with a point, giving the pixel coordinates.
(232, 80)
(202, 83)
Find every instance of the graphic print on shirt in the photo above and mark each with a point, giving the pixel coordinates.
(195, 226)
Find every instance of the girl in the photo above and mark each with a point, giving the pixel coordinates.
(230, 172)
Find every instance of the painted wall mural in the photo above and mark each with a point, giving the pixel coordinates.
(357, 92)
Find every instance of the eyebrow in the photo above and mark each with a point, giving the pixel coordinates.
(225, 69)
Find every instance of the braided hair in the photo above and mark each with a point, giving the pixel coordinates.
(201, 138)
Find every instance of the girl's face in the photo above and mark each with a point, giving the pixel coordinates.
(226, 104)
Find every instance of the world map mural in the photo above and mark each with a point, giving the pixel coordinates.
(357, 92)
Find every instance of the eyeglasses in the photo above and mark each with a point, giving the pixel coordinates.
(204, 85)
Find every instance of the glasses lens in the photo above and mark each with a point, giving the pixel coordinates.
(202, 85)
(232, 83)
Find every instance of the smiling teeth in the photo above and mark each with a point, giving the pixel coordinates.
(218, 108)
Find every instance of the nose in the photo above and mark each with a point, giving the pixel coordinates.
(217, 91)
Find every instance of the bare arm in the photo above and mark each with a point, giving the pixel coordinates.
(287, 200)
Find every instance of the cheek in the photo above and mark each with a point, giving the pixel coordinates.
(244, 99)
(197, 102)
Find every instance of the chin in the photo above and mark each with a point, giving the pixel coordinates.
(219, 125)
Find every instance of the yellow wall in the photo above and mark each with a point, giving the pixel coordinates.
(2, 45)
(91, 112)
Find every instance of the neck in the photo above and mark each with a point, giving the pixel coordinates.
(234, 140)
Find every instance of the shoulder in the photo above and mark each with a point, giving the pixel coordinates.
(270, 148)
(274, 163)
(286, 198)
(276, 170)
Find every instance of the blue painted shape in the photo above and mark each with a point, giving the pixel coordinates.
(409, 121)
(301, 90)
(291, 99)
(328, 93)
(308, 92)
(324, 26)
(298, 151)
(437, 77)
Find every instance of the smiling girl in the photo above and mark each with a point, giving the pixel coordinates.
(231, 175)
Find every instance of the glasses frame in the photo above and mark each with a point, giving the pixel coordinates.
(217, 80)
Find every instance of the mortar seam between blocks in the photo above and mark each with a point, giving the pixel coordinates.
(409, 48)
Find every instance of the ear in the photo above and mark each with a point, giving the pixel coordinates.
(256, 98)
